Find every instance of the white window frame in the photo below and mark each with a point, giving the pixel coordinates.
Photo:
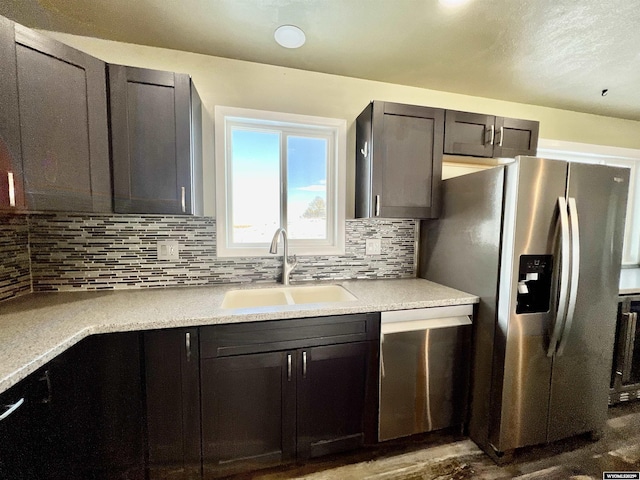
(606, 155)
(334, 130)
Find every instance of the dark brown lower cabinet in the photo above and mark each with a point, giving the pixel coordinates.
(264, 409)
(172, 386)
(193, 403)
(16, 448)
(248, 405)
(81, 415)
(105, 407)
(274, 392)
(331, 398)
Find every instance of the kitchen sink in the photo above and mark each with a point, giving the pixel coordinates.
(264, 297)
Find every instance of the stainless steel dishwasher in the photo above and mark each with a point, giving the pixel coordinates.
(424, 369)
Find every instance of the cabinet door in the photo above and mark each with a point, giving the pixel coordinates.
(108, 407)
(331, 398)
(364, 129)
(63, 125)
(248, 412)
(469, 134)
(11, 193)
(515, 137)
(407, 160)
(16, 450)
(150, 140)
(57, 433)
(173, 403)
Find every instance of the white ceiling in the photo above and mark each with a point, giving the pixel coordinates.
(556, 53)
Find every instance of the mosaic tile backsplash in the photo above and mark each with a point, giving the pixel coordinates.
(82, 252)
(15, 279)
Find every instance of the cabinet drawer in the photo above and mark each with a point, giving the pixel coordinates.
(253, 337)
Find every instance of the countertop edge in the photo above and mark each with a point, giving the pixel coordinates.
(80, 310)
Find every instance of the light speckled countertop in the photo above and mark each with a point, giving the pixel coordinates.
(36, 328)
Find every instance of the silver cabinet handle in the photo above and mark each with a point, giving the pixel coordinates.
(11, 408)
(304, 364)
(501, 136)
(377, 205)
(183, 199)
(12, 189)
(288, 367)
(493, 135)
(187, 344)
(365, 151)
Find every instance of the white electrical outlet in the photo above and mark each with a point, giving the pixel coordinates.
(373, 246)
(168, 250)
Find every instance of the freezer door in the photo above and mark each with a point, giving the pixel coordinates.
(582, 366)
(522, 368)
(462, 250)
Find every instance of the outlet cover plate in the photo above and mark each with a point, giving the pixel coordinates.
(373, 246)
(168, 250)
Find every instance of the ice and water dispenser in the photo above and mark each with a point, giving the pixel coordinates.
(534, 283)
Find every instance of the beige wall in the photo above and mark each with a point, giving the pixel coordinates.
(221, 81)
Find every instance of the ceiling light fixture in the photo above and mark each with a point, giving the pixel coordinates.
(289, 36)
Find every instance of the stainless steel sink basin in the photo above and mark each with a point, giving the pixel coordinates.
(264, 297)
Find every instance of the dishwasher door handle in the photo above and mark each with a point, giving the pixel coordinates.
(425, 324)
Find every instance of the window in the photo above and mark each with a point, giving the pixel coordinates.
(279, 170)
(615, 156)
(578, 152)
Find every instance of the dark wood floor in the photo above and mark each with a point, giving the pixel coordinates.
(446, 456)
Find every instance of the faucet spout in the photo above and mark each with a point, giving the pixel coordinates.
(274, 241)
(287, 267)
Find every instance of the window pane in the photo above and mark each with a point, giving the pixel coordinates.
(255, 185)
(307, 188)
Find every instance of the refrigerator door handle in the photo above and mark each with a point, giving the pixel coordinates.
(575, 273)
(561, 308)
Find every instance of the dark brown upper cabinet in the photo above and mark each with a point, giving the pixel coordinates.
(482, 135)
(398, 161)
(156, 142)
(54, 150)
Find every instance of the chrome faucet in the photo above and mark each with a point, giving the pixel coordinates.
(287, 267)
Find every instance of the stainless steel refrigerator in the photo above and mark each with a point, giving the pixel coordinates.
(540, 242)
